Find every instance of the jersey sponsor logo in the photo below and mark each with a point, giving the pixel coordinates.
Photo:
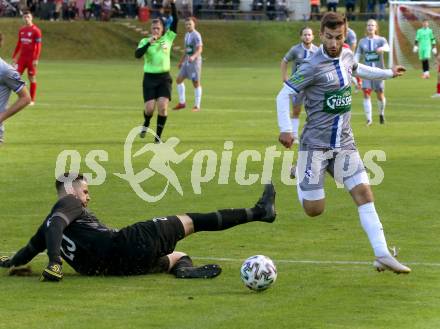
(338, 101)
(372, 56)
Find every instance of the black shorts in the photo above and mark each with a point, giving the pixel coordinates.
(141, 247)
(156, 85)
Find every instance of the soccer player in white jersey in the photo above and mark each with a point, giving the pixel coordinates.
(190, 65)
(297, 54)
(327, 142)
(371, 49)
(10, 80)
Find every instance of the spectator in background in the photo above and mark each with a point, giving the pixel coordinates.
(350, 7)
(281, 10)
(97, 6)
(186, 9)
(257, 6)
(106, 13)
(117, 10)
(314, 9)
(156, 6)
(16, 5)
(58, 9)
(270, 9)
(72, 10)
(129, 8)
(332, 5)
(371, 8)
(166, 17)
(382, 9)
(87, 11)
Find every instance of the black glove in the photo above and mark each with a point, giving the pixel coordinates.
(53, 272)
(5, 262)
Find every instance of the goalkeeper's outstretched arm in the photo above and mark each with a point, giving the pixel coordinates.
(35, 245)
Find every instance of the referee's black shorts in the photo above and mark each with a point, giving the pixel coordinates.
(157, 85)
(141, 247)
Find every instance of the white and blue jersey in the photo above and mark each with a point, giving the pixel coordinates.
(326, 83)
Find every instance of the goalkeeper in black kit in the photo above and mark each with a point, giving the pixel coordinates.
(72, 233)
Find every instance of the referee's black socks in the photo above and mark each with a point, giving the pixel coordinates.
(161, 120)
(226, 218)
(147, 119)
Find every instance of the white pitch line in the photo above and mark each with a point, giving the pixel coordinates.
(283, 261)
(270, 110)
(313, 262)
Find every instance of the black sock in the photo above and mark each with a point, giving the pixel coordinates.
(147, 119)
(425, 64)
(224, 219)
(161, 120)
(185, 261)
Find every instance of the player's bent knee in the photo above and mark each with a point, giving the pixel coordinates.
(188, 224)
(314, 208)
(362, 194)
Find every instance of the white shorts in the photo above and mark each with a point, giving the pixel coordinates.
(191, 71)
(344, 165)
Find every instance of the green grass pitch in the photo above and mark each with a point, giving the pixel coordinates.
(92, 105)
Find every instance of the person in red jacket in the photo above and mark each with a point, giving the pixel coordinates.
(28, 51)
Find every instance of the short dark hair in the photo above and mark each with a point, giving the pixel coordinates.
(333, 20)
(67, 178)
(303, 29)
(26, 12)
(159, 21)
(191, 18)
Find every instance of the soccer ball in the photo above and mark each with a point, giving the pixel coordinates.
(258, 272)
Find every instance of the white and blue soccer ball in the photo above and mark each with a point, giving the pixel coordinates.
(258, 272)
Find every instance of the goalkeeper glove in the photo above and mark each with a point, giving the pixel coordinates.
(434, 51)
(5, 262)
(415, 49)
(53, 273)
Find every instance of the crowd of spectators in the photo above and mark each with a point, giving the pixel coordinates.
(375, 9)
(217, 9)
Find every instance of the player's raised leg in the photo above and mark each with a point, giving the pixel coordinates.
(181, 264)
(263, 211)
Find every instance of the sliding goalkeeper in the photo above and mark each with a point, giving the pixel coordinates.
(423, 45)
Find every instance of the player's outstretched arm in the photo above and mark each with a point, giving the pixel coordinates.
(23, 100)
(398, 70)
(35, 245)
(374, 73)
